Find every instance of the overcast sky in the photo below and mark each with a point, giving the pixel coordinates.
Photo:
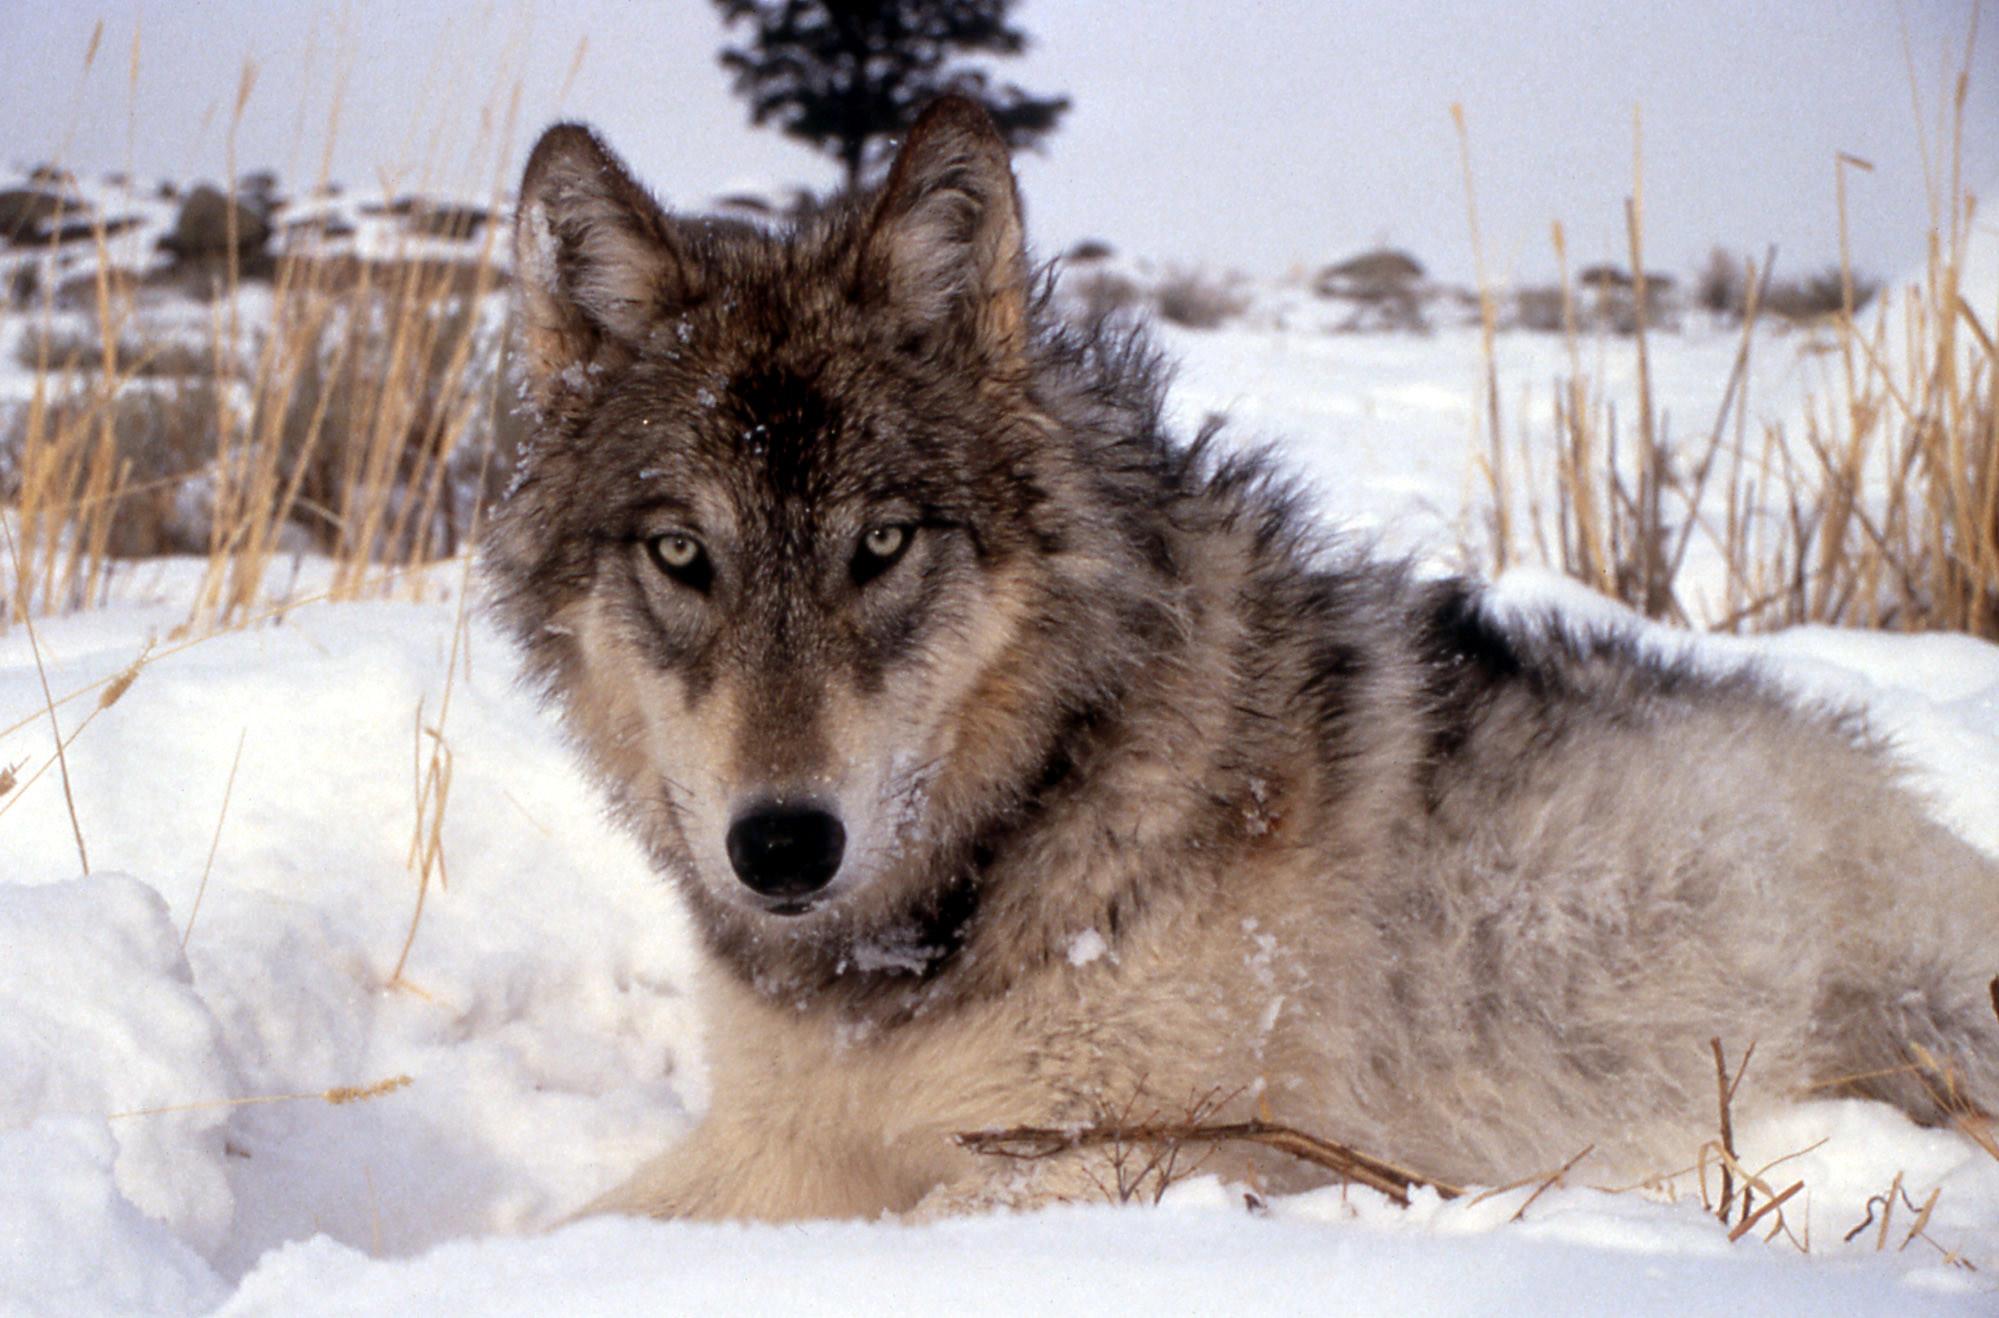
(1257, 134)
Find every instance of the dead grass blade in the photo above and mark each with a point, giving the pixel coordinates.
(1553, 1179)
(338, 1096)
(1771, 1205)
(215, 841)
(48, 699)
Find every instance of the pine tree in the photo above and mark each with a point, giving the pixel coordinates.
(844, 75)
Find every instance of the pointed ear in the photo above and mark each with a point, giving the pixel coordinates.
(944, 247)
(596, 264)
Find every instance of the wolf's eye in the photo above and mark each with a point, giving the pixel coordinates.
(878, 551)
(681, 557)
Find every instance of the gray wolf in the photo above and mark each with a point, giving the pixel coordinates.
(1016, 760)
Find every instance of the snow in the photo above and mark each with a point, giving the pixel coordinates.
(128, 1031)
(1198, 1253)
(72, 1243)
(1086, 947)
(270, 1120)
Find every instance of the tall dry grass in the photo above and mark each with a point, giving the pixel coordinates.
(1877, 505)
(1891, 515)
(348, 405)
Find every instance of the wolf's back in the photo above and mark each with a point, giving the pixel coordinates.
(1623, 858)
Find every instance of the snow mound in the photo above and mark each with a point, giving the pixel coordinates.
(125, 1032)
(72, 1244)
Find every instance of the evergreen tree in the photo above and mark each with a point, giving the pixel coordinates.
(843, 75)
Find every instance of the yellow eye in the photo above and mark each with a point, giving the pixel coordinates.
(885, 541)
(681, 557)
(677, 551)
(880, 549)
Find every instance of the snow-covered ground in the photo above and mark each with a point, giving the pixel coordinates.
(216, 1093)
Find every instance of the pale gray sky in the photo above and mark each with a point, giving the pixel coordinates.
(1258, 134)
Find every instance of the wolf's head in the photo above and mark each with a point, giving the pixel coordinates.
(826, 544)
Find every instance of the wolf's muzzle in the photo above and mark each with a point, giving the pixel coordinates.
(786, 852)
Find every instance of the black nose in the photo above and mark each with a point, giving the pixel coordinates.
(786, 851)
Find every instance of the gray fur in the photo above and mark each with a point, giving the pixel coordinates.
(1153, 789)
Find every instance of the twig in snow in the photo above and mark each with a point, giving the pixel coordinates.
(1037, 1142)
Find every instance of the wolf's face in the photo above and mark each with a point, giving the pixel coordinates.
(787, 543)
(795, 609)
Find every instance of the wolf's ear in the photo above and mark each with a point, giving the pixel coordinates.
(596, 263)
(944, 246)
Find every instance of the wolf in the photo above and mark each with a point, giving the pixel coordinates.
(1019, 762)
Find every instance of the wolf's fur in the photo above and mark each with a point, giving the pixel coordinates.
(1149, 789)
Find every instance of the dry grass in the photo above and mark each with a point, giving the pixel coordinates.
(362, 407)
(214, 842)
(55, 723)
(352, 412)
(72, 351)
(1145, 1153)
(1878, 506)
(1626, 500)
(109, 692)
(338, 1096)
(1746, 1200)
(157, 438)
(1890, 516)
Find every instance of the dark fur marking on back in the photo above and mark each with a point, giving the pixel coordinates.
(1466, 658)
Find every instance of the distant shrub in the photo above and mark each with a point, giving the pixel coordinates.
(1817, 295)
(1383, 290)
(1603, 278)
(1400, 311)
(1102, 293)
(212, 225)
(1539, 308)
(1193, 298)
(24, 210)
(1663, 302)
(1719, 287)
(1382, 272)
(432, 217)
(1606, 302)
(24, 284)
